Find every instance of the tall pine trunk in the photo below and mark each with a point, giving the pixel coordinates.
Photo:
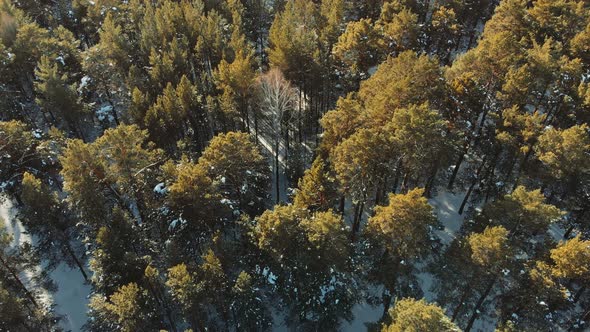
(466, 291)
(76, 260)
(471, 187)
(456, 170)
(479, 303)
(18, 281)
(277, 180)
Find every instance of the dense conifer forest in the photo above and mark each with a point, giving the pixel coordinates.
(294, 165)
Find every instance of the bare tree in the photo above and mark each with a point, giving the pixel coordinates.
(276, 100)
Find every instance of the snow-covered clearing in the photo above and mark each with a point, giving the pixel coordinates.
(71, 297)
(446, 205)
(364, 313)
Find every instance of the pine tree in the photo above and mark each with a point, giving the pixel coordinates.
(444, 32)
(165, 120)
(32, 42)
(195, 291)
(18, 149)
(20, 307)
(213, 284)
(559, 19)
(400, 82)
(523, 213)
(115, 262)
(557, 283)
(579, 45)
(571, 259)
(84, 182)
(129, 309)
(489, 248)
(333, 22)
(313, 281)
(421, 137)
(564, 152)
(341, 122)
(399, 28)
(316, 190)
(236, 77)
(399, 233)
(361, 164)
(113, 43)
(359, 48)
(563, 155)
(184, 291)
(46, 217)
(491, 251)
(246, 181)
(194, 197)
(293, 41)
(58, 98)
(411, 315)
(518, 133)
(246, 305)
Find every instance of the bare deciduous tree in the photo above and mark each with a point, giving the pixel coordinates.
(277, 98)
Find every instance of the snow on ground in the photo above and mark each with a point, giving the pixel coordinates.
(19, 236)
(556, 231)
(426, 280)
(71, 297)
(278, 321)
(283, 182)
(364, 313)
(446, 205)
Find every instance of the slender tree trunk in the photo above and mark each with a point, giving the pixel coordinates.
(256, 126)
(430, 182)
(277, 181)
(579, 294)
(390, 288)
(466, 291)
(76, 260)
(479, 303)
(360, 217)
(398, 171)
(19, 282)
(473, 183)
(355, 221)
(466, 198)
(378, 195)
(490, 177)
(341, 204)
(404, 187)
(522, 166)
(299, 122)
(456, 170)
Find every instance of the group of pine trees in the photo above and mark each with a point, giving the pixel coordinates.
(149, 145)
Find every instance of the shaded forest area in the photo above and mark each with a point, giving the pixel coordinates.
(260, 165)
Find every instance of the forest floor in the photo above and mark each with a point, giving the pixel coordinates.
(446, 205)
(72, 294)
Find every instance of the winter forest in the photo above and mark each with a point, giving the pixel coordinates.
(294, 165)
